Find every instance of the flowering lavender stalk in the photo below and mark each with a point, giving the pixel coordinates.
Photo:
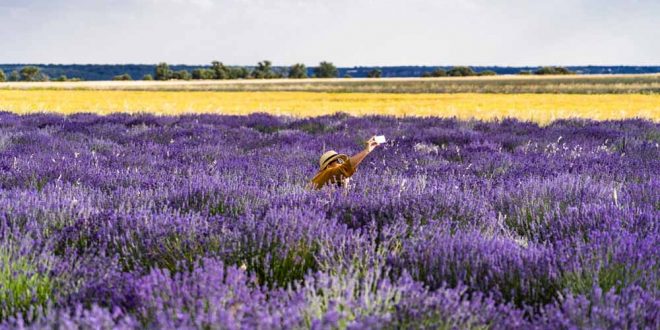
(203, 221)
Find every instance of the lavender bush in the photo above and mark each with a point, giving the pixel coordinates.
(202, 221)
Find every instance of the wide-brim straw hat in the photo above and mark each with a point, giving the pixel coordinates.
(328, 157)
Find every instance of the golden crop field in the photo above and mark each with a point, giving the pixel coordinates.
(541, 108)
(504, 84)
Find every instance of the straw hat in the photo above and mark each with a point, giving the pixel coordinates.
(328, 157)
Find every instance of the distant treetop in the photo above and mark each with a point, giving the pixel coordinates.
(326, 70)
(553, 70)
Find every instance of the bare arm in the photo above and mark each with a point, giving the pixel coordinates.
(357, 158)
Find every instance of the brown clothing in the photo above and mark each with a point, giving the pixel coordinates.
(333, 174)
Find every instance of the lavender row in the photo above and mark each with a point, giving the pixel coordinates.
(140, 221)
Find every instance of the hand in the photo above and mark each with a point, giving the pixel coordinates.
(371, 144)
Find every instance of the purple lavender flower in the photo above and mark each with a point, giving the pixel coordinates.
(203, 221)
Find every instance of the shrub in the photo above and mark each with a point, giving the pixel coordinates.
(487, 73)
(435, 73)
(32, 73)
(203, 74)
(556, 70)
(461, 71)
(124, 77)
(297, 71)
(375, 73)
(163, 72)
(181, 75)
(326, 70)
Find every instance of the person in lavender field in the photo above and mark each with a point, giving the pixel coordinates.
(336, 169)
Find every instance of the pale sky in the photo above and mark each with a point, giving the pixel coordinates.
(345, 32)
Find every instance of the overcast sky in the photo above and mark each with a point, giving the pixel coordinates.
(346, 32)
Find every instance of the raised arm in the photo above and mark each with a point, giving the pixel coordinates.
(357, 158)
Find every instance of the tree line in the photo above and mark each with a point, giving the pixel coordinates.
(263, 70)
(31, 73)
(464, 71)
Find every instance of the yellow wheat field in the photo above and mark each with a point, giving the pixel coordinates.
(541, 108)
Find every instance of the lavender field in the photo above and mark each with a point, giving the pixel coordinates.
(204, 221)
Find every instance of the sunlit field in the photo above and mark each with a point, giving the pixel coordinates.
(505, 84)
(540, 108)
(149, 205)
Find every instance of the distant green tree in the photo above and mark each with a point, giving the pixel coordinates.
(14, 76)
(163, 72)
(203, 74)
(375, 73)
(32, 73)
(346, 75)
(147, 77)
(181, 75)
(124, 76)
(264, 70)
(544, 70)
(326, 70)
(61, 78)
(562, 70)
(525, 72)
(297, 71)
(487, 73)
(2, 76)
(238, 73)
(438, 73)
(552, 70)
(461, 71)
(279, 73)
(220, 71)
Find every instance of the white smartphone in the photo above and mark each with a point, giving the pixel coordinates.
(380, 139)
